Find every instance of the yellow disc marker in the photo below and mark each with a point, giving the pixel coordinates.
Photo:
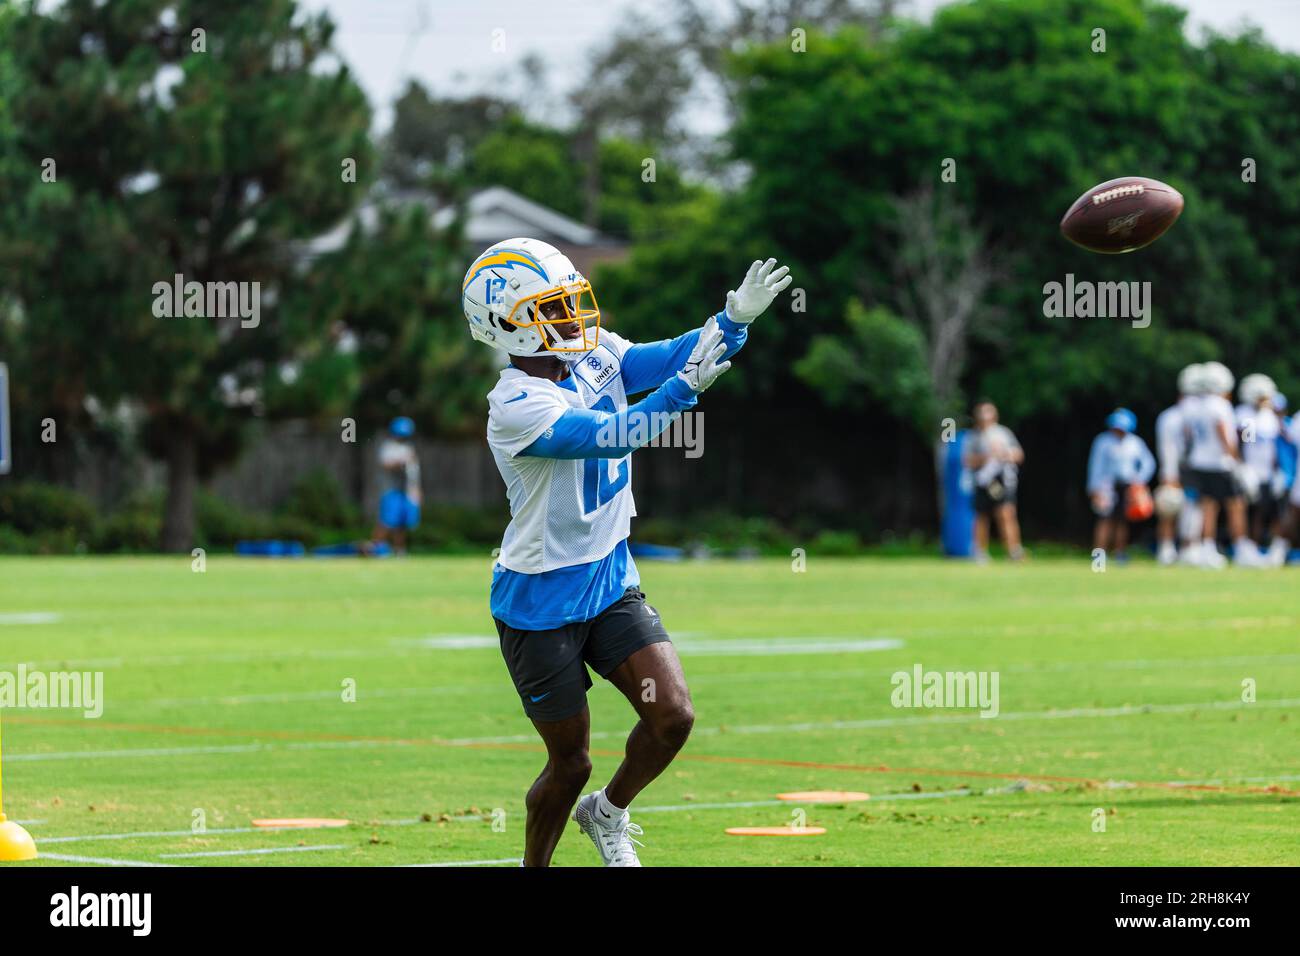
(16, 844)
(776, 831)
(305, 823)
(825, 796)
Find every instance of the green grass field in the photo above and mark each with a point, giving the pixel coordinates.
(224, 694)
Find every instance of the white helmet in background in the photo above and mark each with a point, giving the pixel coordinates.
(507, 286)
(1256, 388)
(1191, 380)
(1219, 380)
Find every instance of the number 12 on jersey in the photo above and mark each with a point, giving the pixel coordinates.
(598, 488)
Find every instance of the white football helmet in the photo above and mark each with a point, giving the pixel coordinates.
(1219, 380)
(504, 293)
(1256, 388)
(1191, 380)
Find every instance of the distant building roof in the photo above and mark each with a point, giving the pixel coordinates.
(498, 213)
(490, 215)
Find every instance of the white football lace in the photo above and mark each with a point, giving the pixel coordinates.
(619, 842)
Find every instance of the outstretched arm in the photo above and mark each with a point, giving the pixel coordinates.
(649, 365)
(591, 433)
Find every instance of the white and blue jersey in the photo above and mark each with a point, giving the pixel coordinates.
(1118, 460)
(564, 451)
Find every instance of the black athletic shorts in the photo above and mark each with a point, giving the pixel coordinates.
(549, 668)
(989, 498)
(1118, 501)
(1216, 485)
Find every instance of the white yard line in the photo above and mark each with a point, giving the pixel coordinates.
(149, 834)
(418, 647)
(264, 852)
(29, 617)
(100, 860)
(661, 808)
(1126, 710)
(129, 753)
(512, 859)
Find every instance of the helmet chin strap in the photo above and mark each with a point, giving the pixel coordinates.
(573, 348)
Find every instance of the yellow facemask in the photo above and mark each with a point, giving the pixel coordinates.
(573, 296)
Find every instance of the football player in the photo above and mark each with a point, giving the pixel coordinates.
(993, 455)
(399, 507)
(1178, 514)
(1214, 458)
(1259, 428)
(565, 592)
(1119, 467)
(1288, 443)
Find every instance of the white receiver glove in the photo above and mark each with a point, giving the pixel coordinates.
(762, 283)
(702, 368)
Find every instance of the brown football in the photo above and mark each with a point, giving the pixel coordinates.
(1121, 215)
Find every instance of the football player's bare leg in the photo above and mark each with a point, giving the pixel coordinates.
(1121, 535)
(1209, 519)
(653, 682)
(1236, 509)
(1009, 529)
(1101, 535)
(556, 790)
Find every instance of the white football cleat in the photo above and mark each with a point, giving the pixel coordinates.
(1245, 554)
(1211, 558)
(1277, 552)
(1168, 554)
(613, 836)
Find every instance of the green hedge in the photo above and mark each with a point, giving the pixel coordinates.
(43, 519)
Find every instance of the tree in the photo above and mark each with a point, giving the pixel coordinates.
(193, 138)
(1013, 93)
(390, 298)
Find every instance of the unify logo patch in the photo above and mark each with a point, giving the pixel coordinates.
(598, 369)
(131, 910)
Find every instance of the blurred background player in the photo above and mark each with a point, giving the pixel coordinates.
(1178, 514)
(399, 506)
(1119, 467)
(1213, 458)
(994, 456)
(1288, 452)
(1259, 429)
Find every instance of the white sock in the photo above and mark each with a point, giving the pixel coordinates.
(607, 811)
